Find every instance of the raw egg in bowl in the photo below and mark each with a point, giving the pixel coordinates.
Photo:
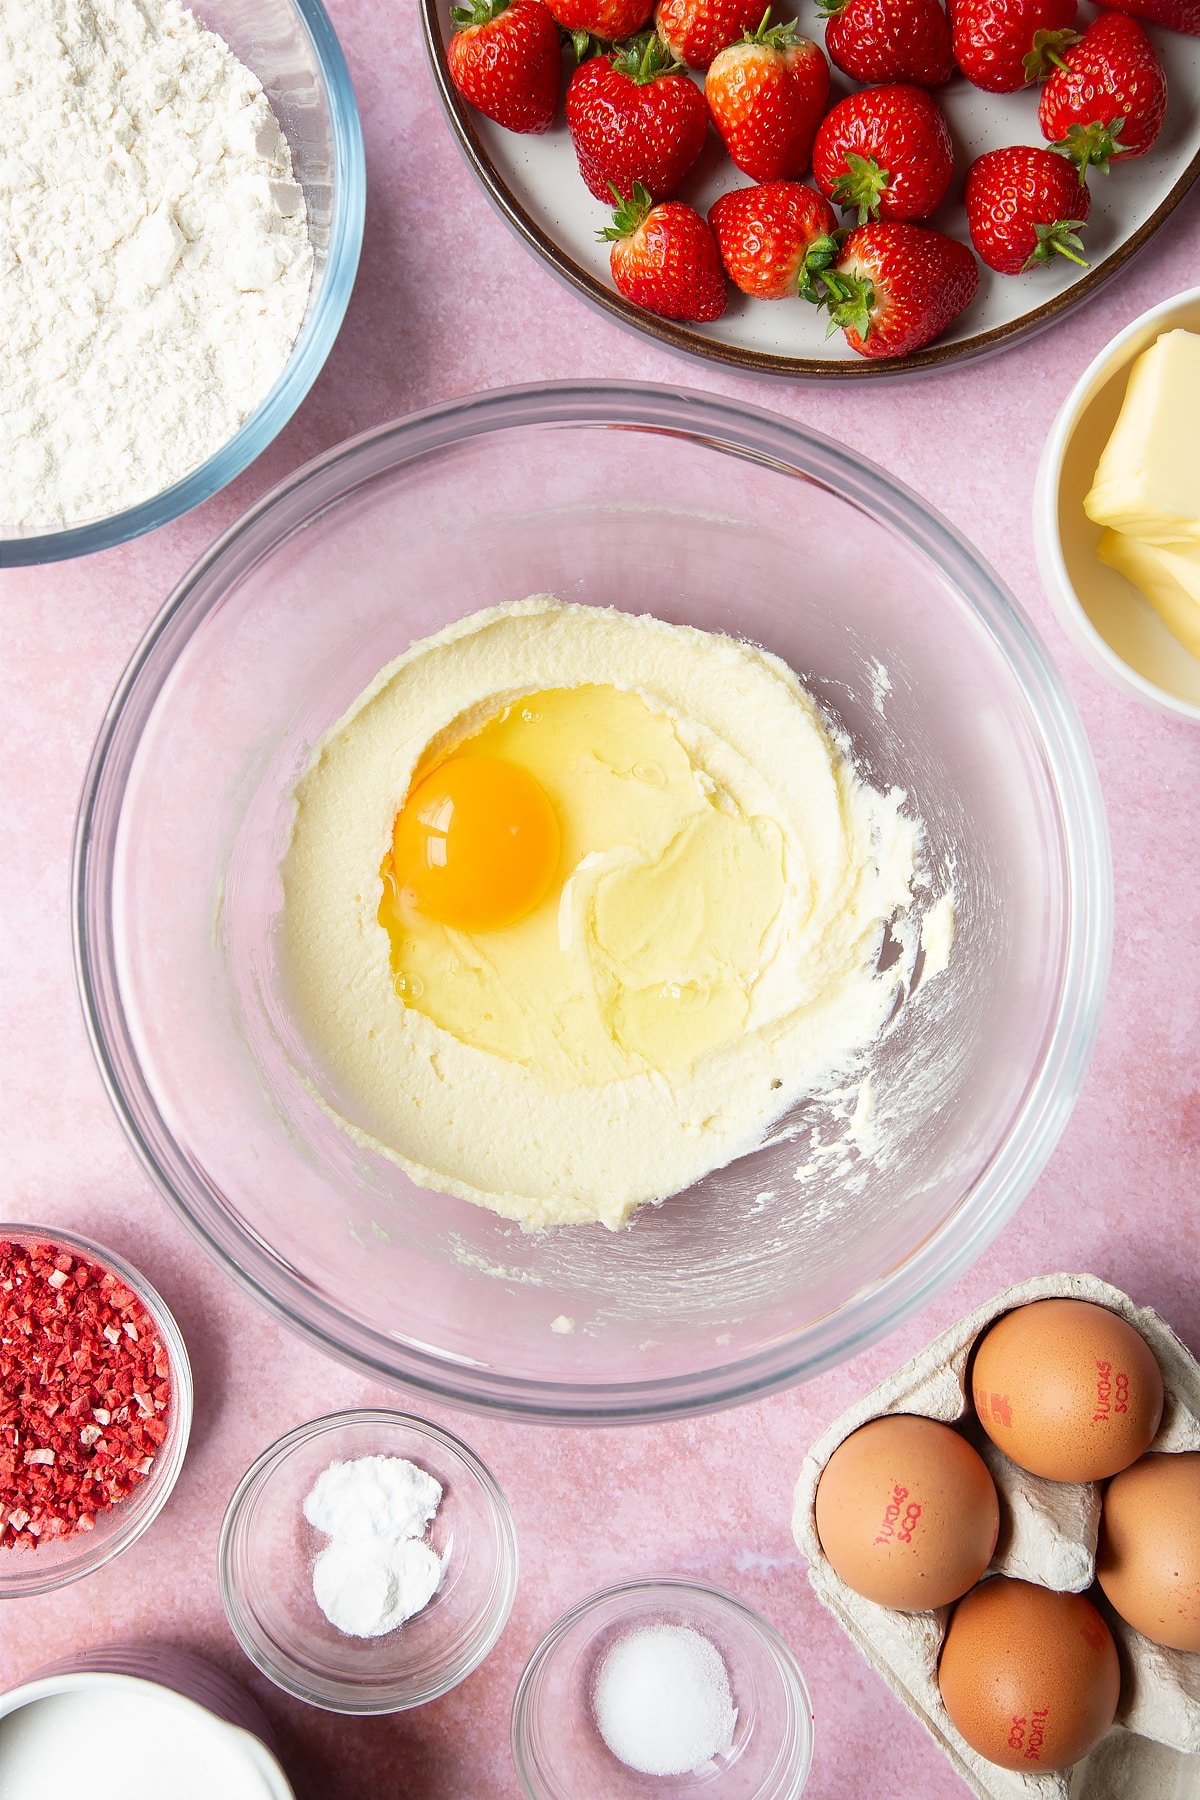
(706, 667)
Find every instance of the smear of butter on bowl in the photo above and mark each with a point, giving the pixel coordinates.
(937, 935)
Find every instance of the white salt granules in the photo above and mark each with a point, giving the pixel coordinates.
(155, 261)
(662, 1701)
(376, 1571)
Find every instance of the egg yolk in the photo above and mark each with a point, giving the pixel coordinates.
(476, 844)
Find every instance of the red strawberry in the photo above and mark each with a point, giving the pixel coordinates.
(886, 152)
(695, 30)
(895, 287)
(664, 258)
(1024, 207)
(992, 38)
(774, 237)
(889, 40)
(766, 96)
(1107, 94)
(635, 116)
(1176, 15)
(506, 59)
(609, 19)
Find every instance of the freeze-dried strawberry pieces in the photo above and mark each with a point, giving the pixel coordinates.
(85, 1392)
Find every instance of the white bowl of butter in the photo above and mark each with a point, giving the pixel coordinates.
(1117, 509)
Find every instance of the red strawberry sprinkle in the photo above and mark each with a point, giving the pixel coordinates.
(85, 1392)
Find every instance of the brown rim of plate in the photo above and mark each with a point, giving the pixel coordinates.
(763, 362)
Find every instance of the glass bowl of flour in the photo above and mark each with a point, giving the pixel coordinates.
(187, 212)
(368, 1562)
(864, 1199)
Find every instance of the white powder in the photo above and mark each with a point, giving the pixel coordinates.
(368, 1589)
(663, 1703)
(373, 1496)
(377, 1571)
(155, 262)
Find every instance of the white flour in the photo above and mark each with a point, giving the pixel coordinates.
(154, 253)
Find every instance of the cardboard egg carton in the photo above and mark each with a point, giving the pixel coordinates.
(1048, 1533)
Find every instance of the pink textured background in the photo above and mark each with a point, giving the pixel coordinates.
(447, 302)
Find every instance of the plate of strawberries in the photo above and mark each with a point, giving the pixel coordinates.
(827, 188)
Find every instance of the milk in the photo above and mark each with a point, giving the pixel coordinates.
(112, 1738)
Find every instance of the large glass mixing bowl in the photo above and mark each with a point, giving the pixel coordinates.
(702, 511)
(293, 49)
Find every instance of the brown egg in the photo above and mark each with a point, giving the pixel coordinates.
(1030, 1677)
(907, 1513)
(1149, 1558)
(1067, 1390)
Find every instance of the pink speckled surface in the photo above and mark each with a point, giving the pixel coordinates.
(447, 303)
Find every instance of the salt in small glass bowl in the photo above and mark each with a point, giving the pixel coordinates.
(266, 1556)
(58, 1561)
(556, 1743)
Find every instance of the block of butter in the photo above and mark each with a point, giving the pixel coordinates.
(1169, 578)
(1147, 482)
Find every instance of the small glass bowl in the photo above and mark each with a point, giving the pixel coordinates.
(557, 1746)
(266, 1556)
(60, 1560)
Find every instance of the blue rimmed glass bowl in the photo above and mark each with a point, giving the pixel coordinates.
(293, 49)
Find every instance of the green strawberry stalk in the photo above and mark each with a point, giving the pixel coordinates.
(1092, 146)
(815, 274)
(1060, 239)
(861, 186)
(643, 59)
(627, 214)
(775, 37)
(847, 298)
(1046, 53)
(477, 12)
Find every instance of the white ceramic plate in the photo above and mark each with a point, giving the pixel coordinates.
(535, 183)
